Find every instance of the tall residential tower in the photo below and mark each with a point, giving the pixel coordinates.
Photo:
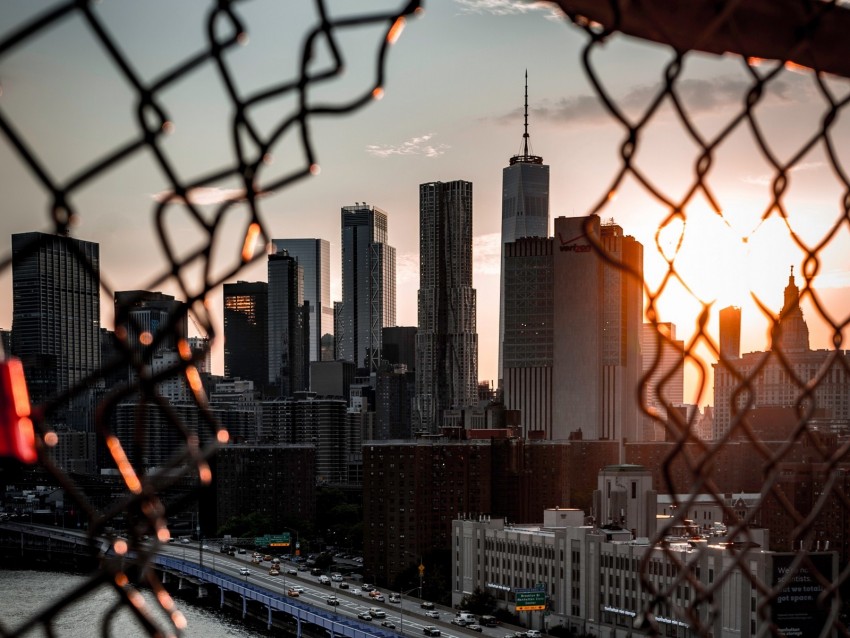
(447, 342)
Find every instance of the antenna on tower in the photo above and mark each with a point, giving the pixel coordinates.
(525, 134)
(525, 157)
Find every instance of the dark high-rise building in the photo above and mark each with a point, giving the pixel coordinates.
(447, 341)
(314, 257)
(368, 285)
(525, 208)
(288, 321)
(395, 389)
(399, 346)
(56, 315)
(157, 317)
(246, 331)
(730, 333)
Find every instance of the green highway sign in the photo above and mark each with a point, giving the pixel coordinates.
(261, 541)
(280, 540)
(530, 599)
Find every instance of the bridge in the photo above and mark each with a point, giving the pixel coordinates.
(188, 572)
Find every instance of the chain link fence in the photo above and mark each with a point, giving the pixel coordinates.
(800, 466)
(255, 140)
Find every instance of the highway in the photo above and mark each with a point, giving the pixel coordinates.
(315, 593)
(407, 617)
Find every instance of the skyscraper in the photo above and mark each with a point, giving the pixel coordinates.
(55, 312)
(730, 333)
(287, 326)
(447, 342)
(572, 332)
(368, 285)
(525, 208)
(143, 311)
(314, 257)
(664, 362)
(246, 310)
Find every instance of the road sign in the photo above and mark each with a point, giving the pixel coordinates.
(280, 540)
(261, 541)
(530, 600)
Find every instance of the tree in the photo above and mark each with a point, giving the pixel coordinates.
(479, 602)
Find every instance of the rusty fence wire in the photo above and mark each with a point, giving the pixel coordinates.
(254, 141)
(784, 409)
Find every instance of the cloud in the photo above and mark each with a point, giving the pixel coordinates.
(767, 178)
(203, 196)
(407, 271)
(510, 7)
(696, 96)
(413, 146)
(487, 254)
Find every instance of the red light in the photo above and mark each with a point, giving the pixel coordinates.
(17, 435)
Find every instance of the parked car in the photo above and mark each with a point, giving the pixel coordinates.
(430, 630)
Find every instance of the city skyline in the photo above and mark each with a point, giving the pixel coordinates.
(382, 153)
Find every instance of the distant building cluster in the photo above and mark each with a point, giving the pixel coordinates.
(319, 392)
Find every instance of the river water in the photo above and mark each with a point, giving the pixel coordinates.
(24, 593)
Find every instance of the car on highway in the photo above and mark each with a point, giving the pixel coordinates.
(430, 630)
(533, 633)
(343, 585)
(364, 615)
(426, 605)
(367, 587)
(245, 571)
(242, 550)
(389, 624)
(292, 571)
(292, 592)
(395, 598)
(475, 627)
(332, 600)
(355, 591)
(298, 588)
(377, 613)
(432, 613)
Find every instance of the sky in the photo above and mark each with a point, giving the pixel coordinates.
(451, 109)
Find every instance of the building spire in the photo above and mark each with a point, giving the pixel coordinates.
(525, 157)
(525, 134)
